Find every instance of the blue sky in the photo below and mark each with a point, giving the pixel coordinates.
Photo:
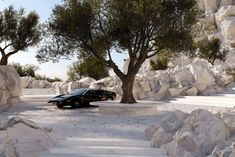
(43, 8)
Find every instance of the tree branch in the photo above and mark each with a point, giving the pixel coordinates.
(108, 63)
(7, 46)
(11, 53)
(153, 54)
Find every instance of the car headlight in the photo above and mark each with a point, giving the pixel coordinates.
(68, 100)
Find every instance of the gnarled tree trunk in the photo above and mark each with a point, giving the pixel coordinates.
(4, 60)
(127, 89)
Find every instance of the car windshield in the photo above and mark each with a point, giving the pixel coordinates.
(78, 92)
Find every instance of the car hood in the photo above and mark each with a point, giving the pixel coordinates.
(62, 97)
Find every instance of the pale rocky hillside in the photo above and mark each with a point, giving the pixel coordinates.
(220, 14)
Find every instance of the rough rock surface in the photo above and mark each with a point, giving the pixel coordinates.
(220, 14)
(66, 87)
(30, 82)
(202, 74)
(197, 78)
(23, 138)
(194, 135)
(10, 86)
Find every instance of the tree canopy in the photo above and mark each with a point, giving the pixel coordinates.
(17, 32)
(140, 28)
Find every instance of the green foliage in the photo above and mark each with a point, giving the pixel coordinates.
(26, 70)
(98, 27)
(90, 67)
(30, 70)
(161, 60)
(211, 50)
(40, 77)
(17, 32)
(231, 72)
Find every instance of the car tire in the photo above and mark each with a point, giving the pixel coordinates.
(73, 106)
(58, 105)
(109, 99)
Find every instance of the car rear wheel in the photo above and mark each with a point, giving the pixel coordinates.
(58, 105)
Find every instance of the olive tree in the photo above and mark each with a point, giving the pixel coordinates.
(140, 28)
(17, 32)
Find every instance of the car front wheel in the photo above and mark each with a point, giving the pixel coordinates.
(58, 105)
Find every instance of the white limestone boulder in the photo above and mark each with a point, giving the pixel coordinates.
(185, 144)
(211, 5)
(224, 150)
(23, 138)
(226, 2)
(180, 61)
(208, 128)
(150, 131)
(201, 5)
(203, 75)
(224, 13)
(10, 85)
(176, 91)
(191, 91)
(142, 89)
(86, 82)
(27, 81)
(161, 137)
(162, 133)
(61, 88)
(228, 29)
(194, 135)
(229, 120)
(72, 86)
(230, 60)
(181, 77)
(30, 82)
(201, 132)
(160, 84)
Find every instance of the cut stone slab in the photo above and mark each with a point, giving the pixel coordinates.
(104, 147)
(115, 108)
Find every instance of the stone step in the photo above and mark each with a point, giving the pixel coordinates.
(104, 147)
(95, 155)
(217, 101)
(103, 142)
(108, 150)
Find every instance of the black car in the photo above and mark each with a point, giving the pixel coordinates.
(82, 97)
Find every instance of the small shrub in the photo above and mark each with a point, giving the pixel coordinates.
(161, 61)
(211, 50)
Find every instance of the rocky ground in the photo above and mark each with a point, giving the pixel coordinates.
(89, 123)
(78, 123)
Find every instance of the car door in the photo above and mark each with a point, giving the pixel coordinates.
(100, 95)
(90, 96)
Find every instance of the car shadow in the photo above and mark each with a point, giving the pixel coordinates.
(79, 107)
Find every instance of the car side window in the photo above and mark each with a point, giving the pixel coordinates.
(92, 93)
(88, 92)
(99, 92)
